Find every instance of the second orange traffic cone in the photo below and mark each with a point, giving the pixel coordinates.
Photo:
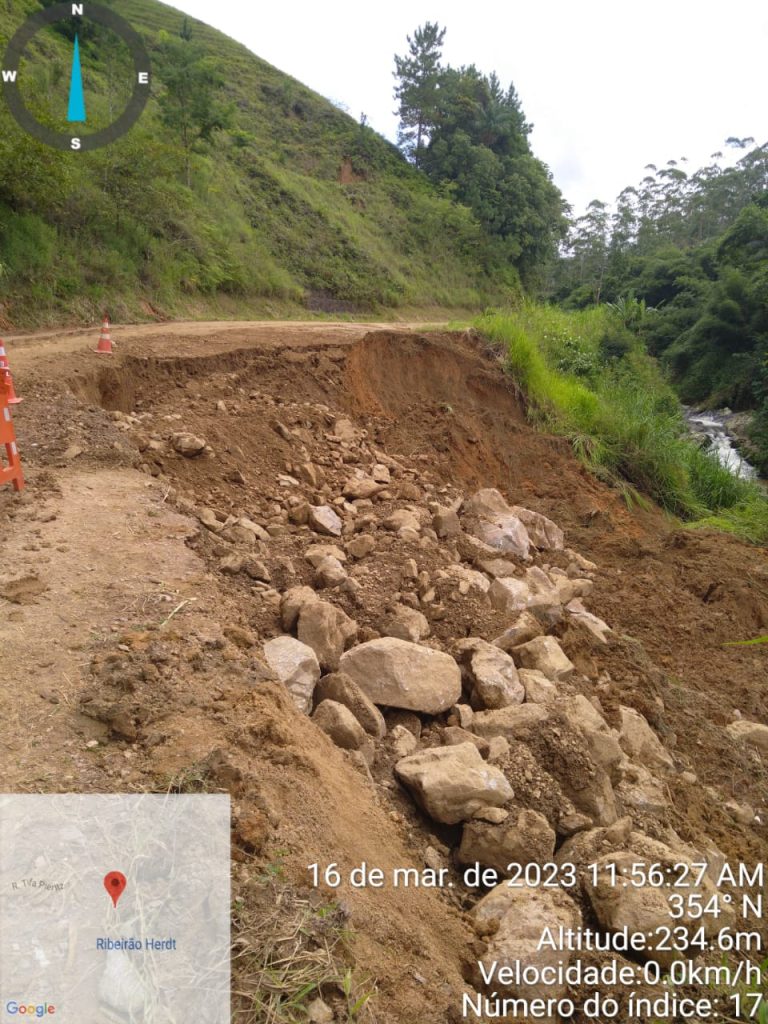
(104, 347)
(12, 398)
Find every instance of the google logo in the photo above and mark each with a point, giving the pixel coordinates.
(42, 1010)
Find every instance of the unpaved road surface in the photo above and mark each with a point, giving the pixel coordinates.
(189, 337)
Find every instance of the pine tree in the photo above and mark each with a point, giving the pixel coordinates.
(418, 82)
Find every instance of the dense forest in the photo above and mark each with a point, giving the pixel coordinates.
(683, 257)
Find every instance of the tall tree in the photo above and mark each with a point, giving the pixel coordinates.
(418, 76)
(191, 104)
(588, 247)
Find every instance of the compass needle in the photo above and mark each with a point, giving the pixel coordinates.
(76, 95)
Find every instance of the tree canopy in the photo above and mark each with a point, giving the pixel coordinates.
(470, 135)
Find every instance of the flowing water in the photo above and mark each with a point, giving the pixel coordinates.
(712, 426)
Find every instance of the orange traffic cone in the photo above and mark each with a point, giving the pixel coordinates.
(12, 473)
(12, 398)
(104, 347)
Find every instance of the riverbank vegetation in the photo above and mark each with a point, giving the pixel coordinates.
(589, 377)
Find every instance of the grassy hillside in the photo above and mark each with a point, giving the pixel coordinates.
(293, 205)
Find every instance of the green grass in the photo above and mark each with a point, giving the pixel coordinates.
(621, 415)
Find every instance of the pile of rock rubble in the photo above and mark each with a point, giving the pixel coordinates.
(459, 724)
(497, 737)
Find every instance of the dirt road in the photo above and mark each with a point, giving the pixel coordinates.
(188, 338)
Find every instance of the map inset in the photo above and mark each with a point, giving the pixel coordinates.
(115, 909)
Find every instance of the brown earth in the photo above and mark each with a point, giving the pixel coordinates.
(130, 663)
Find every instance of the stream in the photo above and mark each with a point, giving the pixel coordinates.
(711, 425)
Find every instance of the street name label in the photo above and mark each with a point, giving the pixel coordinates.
(72, 952)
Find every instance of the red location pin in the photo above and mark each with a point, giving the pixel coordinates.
(115, 883)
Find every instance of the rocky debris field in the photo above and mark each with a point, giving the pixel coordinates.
(407, 649)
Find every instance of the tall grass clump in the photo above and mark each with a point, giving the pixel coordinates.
(588, 378)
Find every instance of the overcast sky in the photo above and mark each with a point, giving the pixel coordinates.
(609, 85)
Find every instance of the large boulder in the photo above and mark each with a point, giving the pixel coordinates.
(330, 573)
(396, 673)
(523, 838)
(316, 553)
(639, 790)
(593, 795)
(343, 690)
(641, 906)
(338, 722)
(602, 741)
(296, 666)
(452, 783)
(487, 504)
(259, 533)
(544, 534)
(525, 627)
(362, 545)
(505, 534)
(543, 592)
(406, 624)
(345, 430)
(516, 920)
(188, 445)
(545, 655)
(468, 579)
(538, 689)
(361, 487)
(445, 523)
(584, 848)
(596, 627)
(403, 522)
(492, 676)
(498, 527)
(587, 845)
(517, 721)
(327, 630)
(291, 604)
(497, 567)
(640, 742)
(241, 535)
(509, 594)
(752, 733)
(535, 592)
(323, 519)
(570, 590)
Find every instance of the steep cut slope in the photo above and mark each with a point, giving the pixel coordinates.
(294, 203)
